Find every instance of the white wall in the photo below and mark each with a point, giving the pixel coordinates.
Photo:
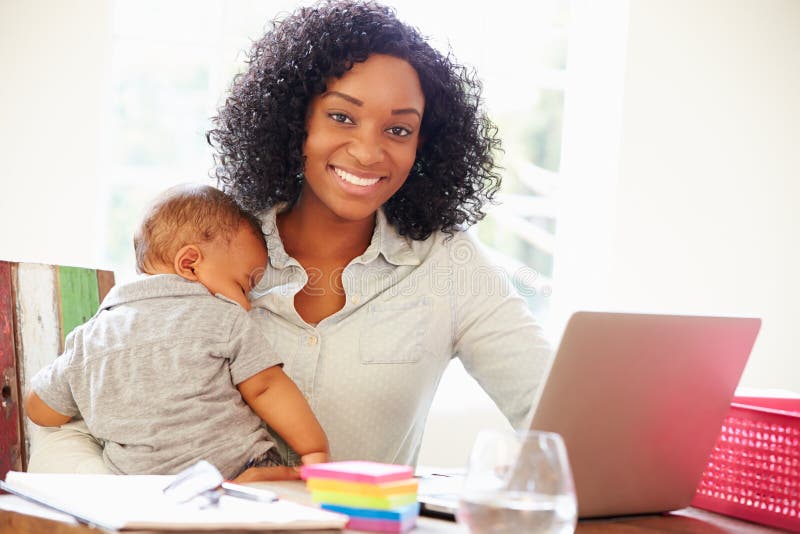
(710, 169)
(53, 58)
(703, 215)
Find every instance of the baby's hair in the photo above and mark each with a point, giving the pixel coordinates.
(187, 214)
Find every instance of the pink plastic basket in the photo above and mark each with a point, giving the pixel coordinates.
(753, 472)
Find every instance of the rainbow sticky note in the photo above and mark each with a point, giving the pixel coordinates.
(397, 520)
(389, 502)
(377, 497)
(357, 471)
(397, 487)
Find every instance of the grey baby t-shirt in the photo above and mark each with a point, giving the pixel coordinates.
(153, 373)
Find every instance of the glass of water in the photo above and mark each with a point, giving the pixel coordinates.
(518, 482)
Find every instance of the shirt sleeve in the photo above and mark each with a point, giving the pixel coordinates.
(250, 351)
(496, 336)
(51, 383)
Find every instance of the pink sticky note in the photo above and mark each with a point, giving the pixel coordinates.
(358, 471)
(381, 525)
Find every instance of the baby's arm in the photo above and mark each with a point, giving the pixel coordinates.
(42, 414)
(276, 399)
(53, 382)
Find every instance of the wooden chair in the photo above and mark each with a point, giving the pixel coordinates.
(39, 306)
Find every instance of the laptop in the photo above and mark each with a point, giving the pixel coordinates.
(639, 400)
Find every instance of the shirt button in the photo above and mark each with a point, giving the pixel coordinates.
(312, 340)
(356, 299)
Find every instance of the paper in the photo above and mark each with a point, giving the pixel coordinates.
(137, 502)
(760, 392)
(12, 503)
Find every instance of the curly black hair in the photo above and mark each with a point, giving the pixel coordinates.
(260, 130)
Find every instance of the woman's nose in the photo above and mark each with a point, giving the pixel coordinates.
(366, 148)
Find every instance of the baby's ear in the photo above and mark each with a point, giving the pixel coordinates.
(186, 261)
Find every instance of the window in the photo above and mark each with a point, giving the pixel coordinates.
(519, 52)
(171, 65)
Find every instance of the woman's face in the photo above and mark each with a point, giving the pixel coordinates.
(362, 139)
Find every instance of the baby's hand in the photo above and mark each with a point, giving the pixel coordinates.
(314, 458)
(254, 474)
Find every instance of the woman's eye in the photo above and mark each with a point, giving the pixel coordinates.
(399, 131)
(340, 117)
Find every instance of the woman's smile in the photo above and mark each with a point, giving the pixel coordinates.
(359, 179)
(358, 182)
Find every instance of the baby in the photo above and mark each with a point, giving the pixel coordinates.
(168, 369)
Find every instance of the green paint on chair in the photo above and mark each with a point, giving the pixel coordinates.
(79, 296)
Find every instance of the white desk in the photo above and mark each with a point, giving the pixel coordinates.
(689, 521)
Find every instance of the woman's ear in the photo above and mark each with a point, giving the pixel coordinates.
(186, 261)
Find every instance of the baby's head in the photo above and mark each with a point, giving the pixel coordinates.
(203, 235)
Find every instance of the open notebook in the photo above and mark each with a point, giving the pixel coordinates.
(137, 502)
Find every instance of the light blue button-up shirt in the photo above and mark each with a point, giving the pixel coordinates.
(371, 369)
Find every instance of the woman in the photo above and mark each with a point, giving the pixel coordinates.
(366, 153)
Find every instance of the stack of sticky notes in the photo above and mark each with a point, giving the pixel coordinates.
(377, 497)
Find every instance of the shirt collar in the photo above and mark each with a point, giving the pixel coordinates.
(152, 286)
(395, 248)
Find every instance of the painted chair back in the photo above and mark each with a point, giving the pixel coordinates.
(39, 306)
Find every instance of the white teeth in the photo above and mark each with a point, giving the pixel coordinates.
(353, 179)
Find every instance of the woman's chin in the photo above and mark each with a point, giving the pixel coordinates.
(355, 213)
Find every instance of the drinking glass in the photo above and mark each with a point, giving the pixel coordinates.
(518, 482)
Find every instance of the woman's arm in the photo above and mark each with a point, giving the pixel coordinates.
(496, 336)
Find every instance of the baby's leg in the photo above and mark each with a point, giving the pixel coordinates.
(267, 466)
(67, 449)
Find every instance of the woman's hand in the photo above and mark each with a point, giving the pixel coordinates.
(255, 474)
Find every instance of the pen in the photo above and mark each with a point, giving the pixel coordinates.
(244, 492)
